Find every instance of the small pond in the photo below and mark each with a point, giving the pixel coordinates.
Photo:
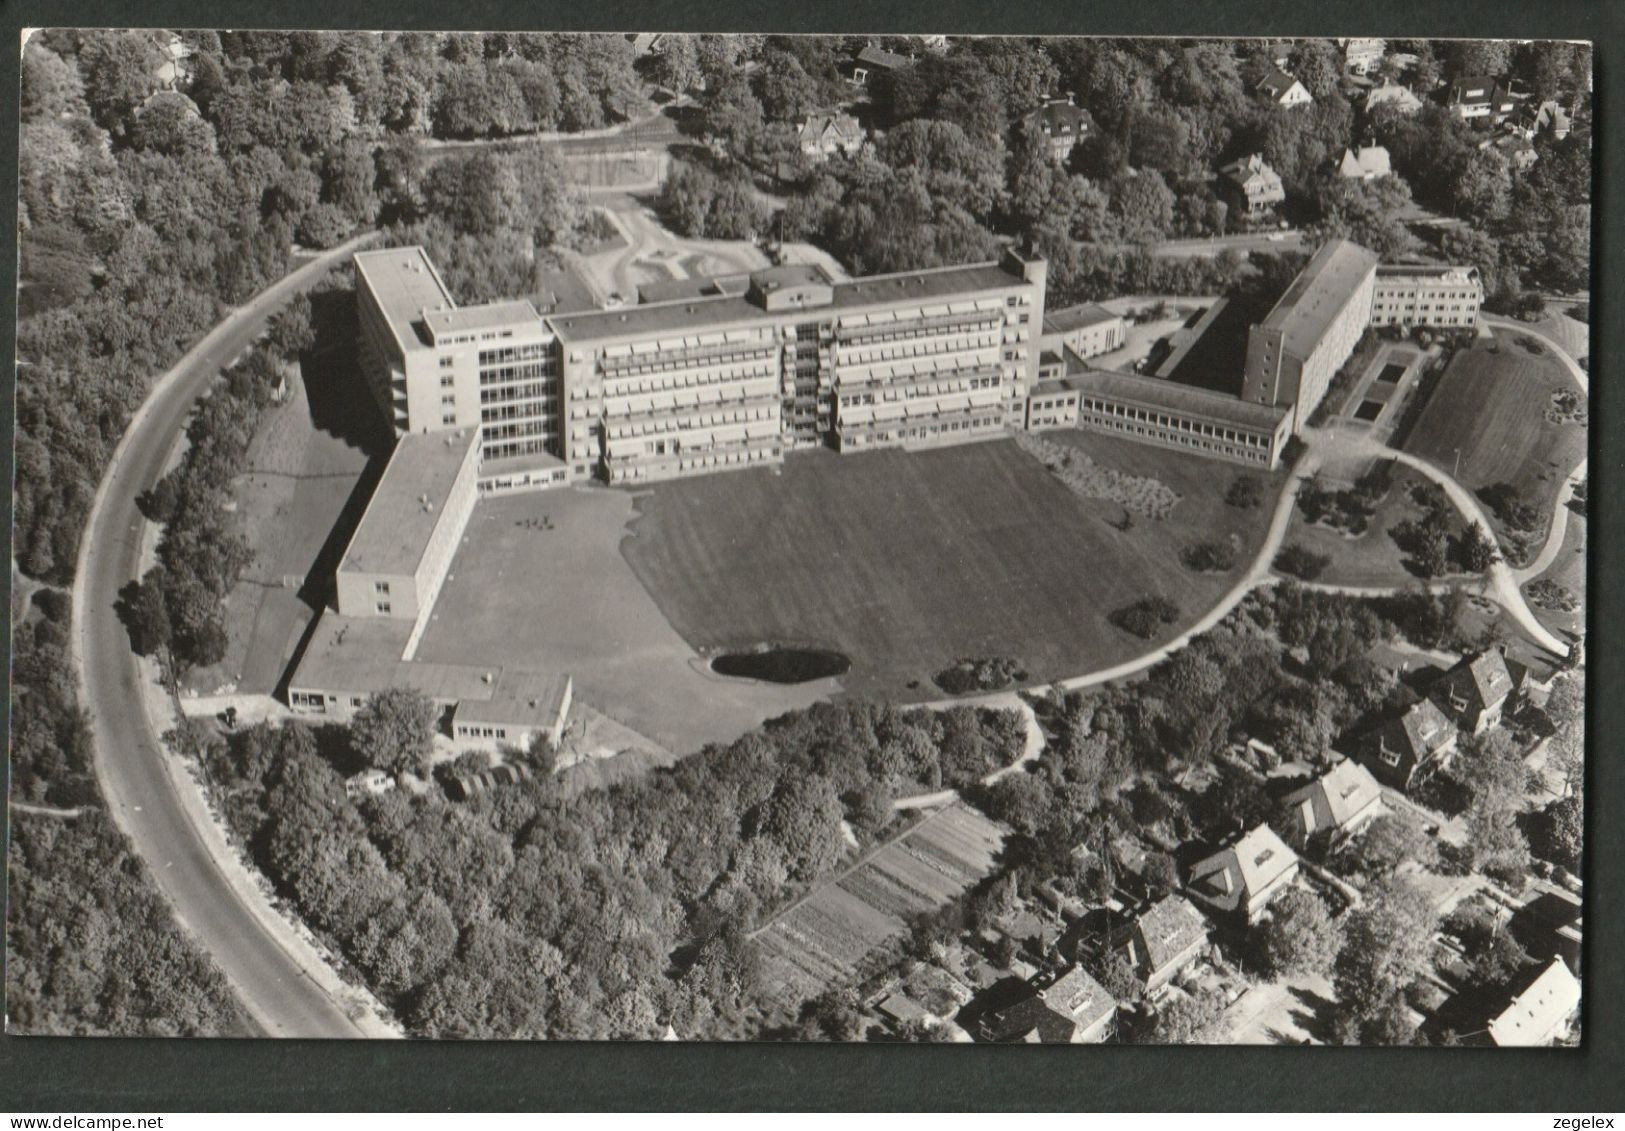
(1369, 410)
(1391, 374)
(782, 665)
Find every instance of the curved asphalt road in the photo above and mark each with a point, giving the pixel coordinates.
(274, 973)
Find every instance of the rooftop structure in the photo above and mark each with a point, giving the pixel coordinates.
(1335, 804)
(1366, 163)
(1539, 1014)
(1244, 877)
(1084, 314)
(404, 283)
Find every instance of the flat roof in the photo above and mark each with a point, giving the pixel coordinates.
(670, 290)
(1171, 396)
(405, 284)
(520, 696)
(726, 310)
(1319, 293)
(362, 655)
(394, 532)
(1070, 318)
(486, 316)
(511, 465)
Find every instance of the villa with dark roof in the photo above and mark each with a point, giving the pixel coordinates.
(1403, 747)
(1162, 941)
(1063, 123)
(1282, 89)
(1070, 1009)
(1476, 691)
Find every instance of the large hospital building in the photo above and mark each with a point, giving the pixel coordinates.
(714, 374)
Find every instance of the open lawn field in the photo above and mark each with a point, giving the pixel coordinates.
(906, 561)
(1490, 405)
(822, 939)
(1371, 558)
(1567, 573)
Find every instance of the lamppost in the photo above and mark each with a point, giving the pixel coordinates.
(1456, 474)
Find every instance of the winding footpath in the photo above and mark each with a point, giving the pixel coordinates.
(281, 978)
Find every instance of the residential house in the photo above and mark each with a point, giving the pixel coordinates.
(1531, 119)
(873, 60)
(1063, 123)
(1541, 1013)
(1250, 185)
(1361, 56)
(1335, 805)
(1476, 691)
(1282, 89)
(1165, 939)
(902, 1011)
(1478, 97)
(823, 135)
(1392, 94)
(646, 43)
(176, 69)
(1520, 154)
(1242, 879)
(368, 783)
(1403, 747)
(1366, 163)
(1071, 1009)
(936, 44)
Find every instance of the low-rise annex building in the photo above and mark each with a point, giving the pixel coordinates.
(1087, 329)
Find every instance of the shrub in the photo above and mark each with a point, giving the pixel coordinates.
(1209, 557)
(1245, 492)
(1146, 616)
(986, 673)
(1508, 505)
(1301, 562)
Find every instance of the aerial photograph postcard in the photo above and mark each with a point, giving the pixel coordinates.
(751, 537)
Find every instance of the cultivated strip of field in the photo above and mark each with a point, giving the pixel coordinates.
(821, 940)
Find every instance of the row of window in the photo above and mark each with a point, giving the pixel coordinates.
(514, 353)
(535, 390)
(513, 431)
(1175, 439)
(717, 375)
(514, 412)
(693, 421)
(871, 437)
(1176, 423)
(469, 730)
(684, 358)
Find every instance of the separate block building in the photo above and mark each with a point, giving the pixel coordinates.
(823, 135)
(1154, 410)
(1242, 879)
(1295, 352)
(1363, 55)
(1478, 97)
(1070, 1009)
(399, 554)
(1365, 164)
(1086, 329)
(1283, 90)
(1426, 296)
(1163, 941)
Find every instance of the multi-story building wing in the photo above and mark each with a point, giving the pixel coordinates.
(1426, 296)
(433, 365)
(1295, 352)
(734, 379)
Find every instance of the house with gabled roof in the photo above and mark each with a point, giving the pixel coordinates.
(1362, 55)
(1251, 185)
(1404, 746)
(1335, 805)
(1240, 880)
(1394, 94)
(1366, 163)
(1282, 89)
(1162, 941)
(1070, 1009)
(873, 60)
(1540, 1014)
(822, 135)
(1479, 96)
(1063, 123)
(1476, 691)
